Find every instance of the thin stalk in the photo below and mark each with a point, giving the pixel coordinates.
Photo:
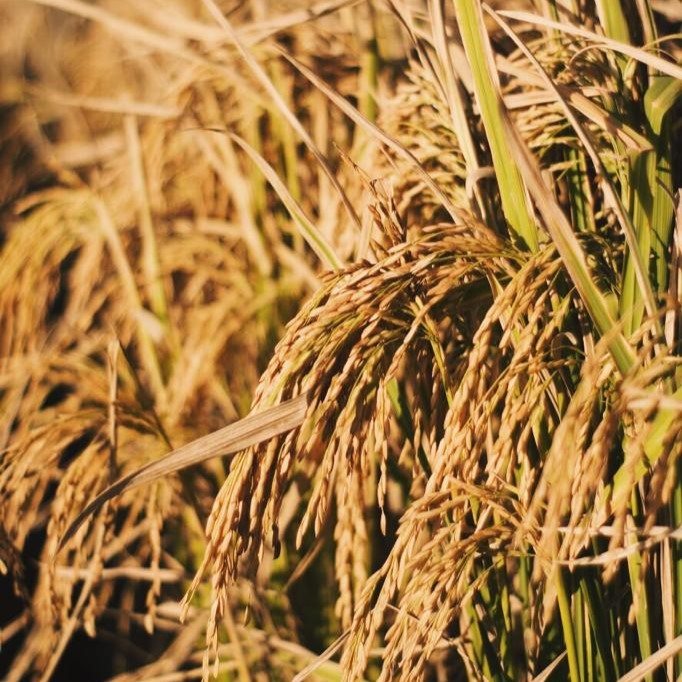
(567, 625)
(284, 133)
(661, 95)
(677, 564)
(640, 598)
(591, 590)
(505, 626)
(591, 668)
(579, 193)
(581, 632)
(251, 132)
(150, 253)
(147, 349)
(310, 233)
(488, 658)
(641, 204)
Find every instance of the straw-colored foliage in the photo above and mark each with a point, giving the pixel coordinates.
(469, 218)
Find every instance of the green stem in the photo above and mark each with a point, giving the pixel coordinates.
(677, 565)
(599, 625)
(512, 191)
(567, 625)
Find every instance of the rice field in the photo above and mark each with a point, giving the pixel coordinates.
(340, 340)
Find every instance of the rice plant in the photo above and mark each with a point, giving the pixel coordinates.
(470, 217)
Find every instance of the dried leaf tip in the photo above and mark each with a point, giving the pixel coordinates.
(253, 429)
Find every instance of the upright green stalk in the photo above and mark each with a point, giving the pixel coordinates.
(612, 18)
(486, 88)
(567, 625)
(579, 193)
(603, 635)
(582, 633)
(641, 205)
(640, 601)
(677, 565)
